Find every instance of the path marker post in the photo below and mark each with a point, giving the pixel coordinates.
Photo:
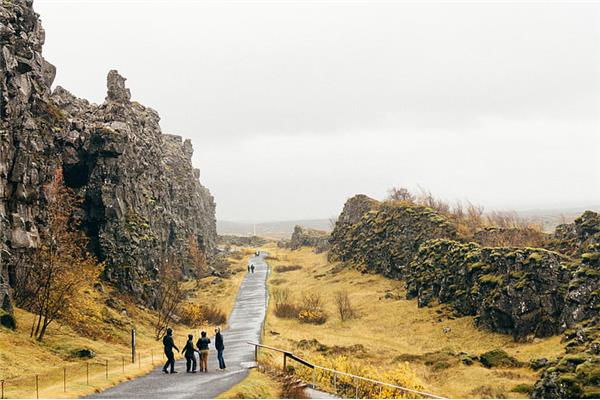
(133, 346)
(65, 379)
(123, 364)
(37, 388)
(87, 373)
(107, 369)
(2, 394)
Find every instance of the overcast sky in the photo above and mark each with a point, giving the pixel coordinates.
(294, 106)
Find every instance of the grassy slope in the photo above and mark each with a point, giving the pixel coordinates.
(256, 386)
(390, 328)
(107, 333)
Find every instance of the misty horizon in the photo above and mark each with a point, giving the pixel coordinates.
(293, 108)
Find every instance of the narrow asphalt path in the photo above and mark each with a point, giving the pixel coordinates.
(245, 324)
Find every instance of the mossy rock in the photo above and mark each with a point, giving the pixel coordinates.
(8, 321)
(498, 358)
(524, 388)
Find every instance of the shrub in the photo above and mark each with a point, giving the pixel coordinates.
(489, 392)
(401, 375)
(317, 317)
(196, 314)
(287, 268)
(284, 307)
(344, 306)
(523, 388)
(311, 309)
(498, 358)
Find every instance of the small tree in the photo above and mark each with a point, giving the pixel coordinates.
(170, 295)
(61, 266)
(344, 306)
(195, 257)
(400, 194)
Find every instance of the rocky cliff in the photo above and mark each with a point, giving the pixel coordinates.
(142, 199)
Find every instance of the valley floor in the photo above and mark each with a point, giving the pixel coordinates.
(393, 330)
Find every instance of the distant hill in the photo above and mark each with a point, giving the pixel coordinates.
(549, 218)
(275, 229)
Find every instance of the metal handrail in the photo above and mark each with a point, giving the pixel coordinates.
(336, 372)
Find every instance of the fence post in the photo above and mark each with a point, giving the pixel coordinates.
(139, 360)
(87, 373)
(314, 378)
(380, 390)
(335, 382)
(284, 362)
(107, 369)
(256, 353)
(152, 356)
(123, 364)
(65, 379)
(2, 393)
(37, 388)
(132, 346)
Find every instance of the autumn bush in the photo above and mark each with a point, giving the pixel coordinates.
(197, 314)
(311, 309)
(345, 387)
(284, 306)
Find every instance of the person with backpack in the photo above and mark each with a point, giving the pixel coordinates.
(202, 344)
(190, 357)
(220, 347)
(169, 345)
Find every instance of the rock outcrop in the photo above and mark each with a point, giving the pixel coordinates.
(309, 237)
(518, 291)
(387, 236)
(142, 199)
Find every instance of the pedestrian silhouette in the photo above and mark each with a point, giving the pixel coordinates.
(252, 268)
(169, 345)
(190, 357)
(203, 347)
(220, 347)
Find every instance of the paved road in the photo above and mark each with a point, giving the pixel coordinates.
(245, 324)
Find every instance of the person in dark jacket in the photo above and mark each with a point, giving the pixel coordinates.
(190, 357)
(252, 268)
(169, 345)
(220, 347)
(202, 344)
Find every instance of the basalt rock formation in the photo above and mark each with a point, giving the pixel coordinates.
(510, 290)
(142, 199)
(309, 237)
(386, 236)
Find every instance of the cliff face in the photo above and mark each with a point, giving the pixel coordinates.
(142, 199)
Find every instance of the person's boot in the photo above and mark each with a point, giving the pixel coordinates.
(165, 371)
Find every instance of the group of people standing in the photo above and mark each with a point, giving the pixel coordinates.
(189, 350)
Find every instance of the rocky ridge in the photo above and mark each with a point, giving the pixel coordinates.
(142, 199)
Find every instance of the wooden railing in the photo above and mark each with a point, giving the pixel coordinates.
(288, 354)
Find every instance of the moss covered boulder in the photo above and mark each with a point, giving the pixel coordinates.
(577, 373)
(303, 236)
(518, 291)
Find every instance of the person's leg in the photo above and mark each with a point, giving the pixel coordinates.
(221, 360)
(205, 361)
(188, 363)
(172, 362)
(194, 363)
(166, 367)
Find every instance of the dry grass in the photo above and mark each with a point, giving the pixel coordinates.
(392, 327)
(257, 385)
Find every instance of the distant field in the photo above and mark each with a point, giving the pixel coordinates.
(273, 230)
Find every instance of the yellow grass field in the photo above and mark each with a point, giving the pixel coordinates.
(395, 328)
(105, 331)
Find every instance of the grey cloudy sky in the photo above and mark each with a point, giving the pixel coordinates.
(294, 106)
